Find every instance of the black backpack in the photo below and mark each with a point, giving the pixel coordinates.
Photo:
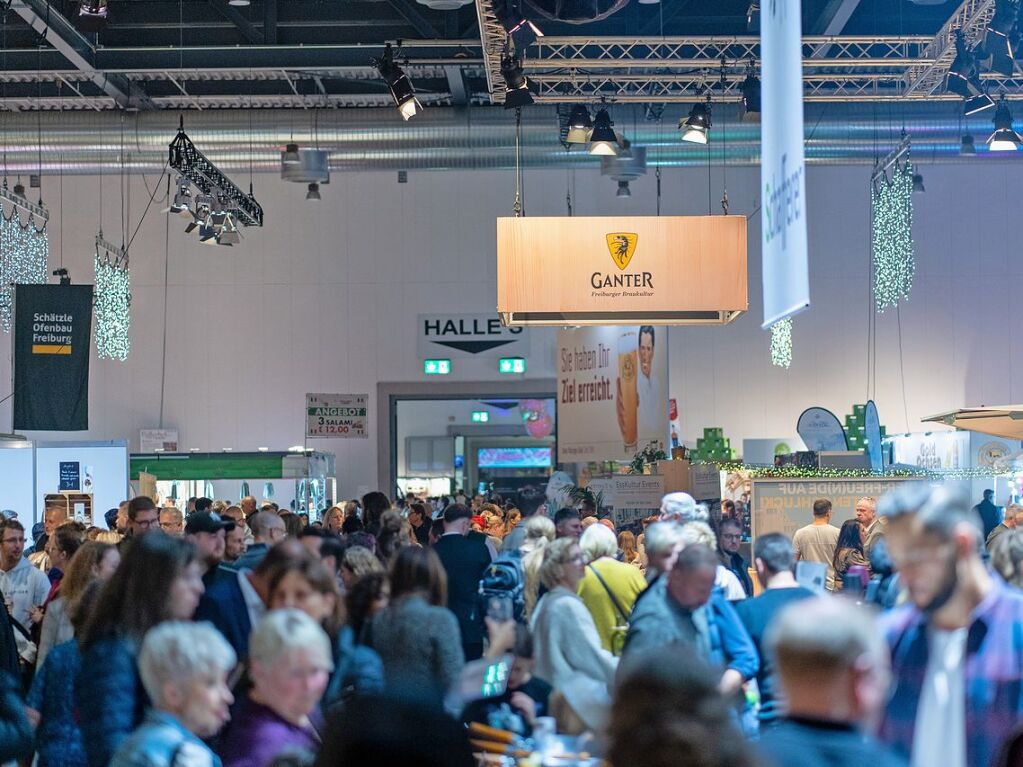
(504, 577)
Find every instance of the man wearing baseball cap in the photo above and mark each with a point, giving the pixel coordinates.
(206, 530)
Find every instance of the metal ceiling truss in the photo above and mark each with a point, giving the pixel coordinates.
(971, 17)
(210, 180)
(562, 69)
(679, 69)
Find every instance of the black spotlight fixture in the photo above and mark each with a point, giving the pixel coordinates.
(997, 51)
(964, 78)
(313, 192)
(580, 126)
(1004, 138)
(750, 89)
(92, 15)
(182, 200)
(518, 94)
(696, 127)
(402, 91)
(603, 140)
(918, 183)
(966, 145)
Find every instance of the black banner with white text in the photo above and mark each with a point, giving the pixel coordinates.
(52, 334)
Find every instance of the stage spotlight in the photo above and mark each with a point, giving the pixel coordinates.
(518, 94)
(750, 99)
(603, 140)
(402, 90)
(964, 78)
(1004, 139)
(696, 127)
(580, 126)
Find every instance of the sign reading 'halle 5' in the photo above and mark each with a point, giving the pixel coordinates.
(621, 270)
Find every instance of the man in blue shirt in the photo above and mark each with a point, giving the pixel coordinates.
(774, 558)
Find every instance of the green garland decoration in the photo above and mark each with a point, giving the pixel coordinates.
(796, 472)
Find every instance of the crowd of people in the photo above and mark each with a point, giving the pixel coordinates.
(244, 635)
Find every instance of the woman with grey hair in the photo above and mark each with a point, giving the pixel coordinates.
(663, 542)
(291, 660)
(609, 588)
(184, 669)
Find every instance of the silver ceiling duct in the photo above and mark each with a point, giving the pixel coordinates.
(443, 138)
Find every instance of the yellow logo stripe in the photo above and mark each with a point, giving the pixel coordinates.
(51, 349)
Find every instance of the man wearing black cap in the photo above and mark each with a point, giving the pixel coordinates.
(206, 530)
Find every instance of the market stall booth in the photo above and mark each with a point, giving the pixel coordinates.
(301, 480)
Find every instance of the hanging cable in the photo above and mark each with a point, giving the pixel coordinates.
(724, 161)
(518, 208)
(3, 90)
(166, 271)
(124, 223)
(60, 183)
(657, 174)
(39, 120)
(568, 191)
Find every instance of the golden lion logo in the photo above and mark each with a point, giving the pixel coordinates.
(621, 246)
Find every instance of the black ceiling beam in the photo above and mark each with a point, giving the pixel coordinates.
(270, 22)
(236, 17)
(169, 59)
(418, 22)
(79, 52)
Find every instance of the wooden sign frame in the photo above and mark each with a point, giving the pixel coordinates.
(621, 270)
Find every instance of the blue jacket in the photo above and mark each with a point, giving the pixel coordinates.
(224, 606)
(111, 701)
(657, 621)
(162, 741)
(15, 731)
(58, 738)
(357, 670)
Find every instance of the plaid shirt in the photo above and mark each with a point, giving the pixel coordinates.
(994, 674)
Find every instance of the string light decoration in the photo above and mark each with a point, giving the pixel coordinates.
(113, 301)
(781, 343)
(891, 204)
(797, 472)
(24, 248)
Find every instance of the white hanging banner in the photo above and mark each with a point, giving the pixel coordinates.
(782, 167)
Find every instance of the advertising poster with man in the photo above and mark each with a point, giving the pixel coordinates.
(612, 392)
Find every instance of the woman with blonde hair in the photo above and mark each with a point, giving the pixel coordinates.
(93, 560)
(333, 519)
(356, 562)
(568, 650)
(539, 533)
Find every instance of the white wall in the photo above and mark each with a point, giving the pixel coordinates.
(325, 299)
